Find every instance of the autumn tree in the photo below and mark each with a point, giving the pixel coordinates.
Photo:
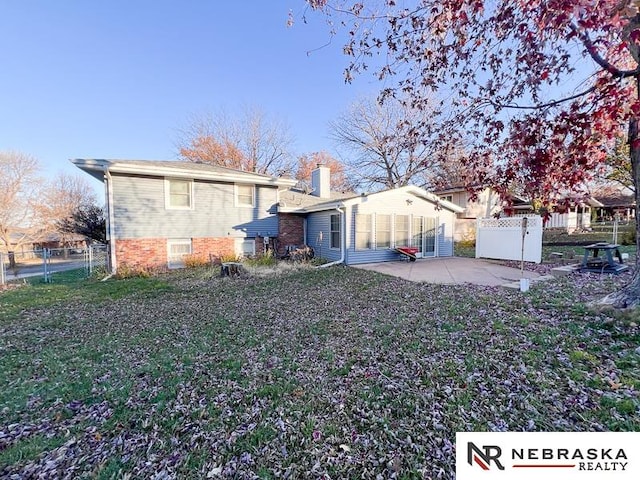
(251, 141)
(539, 88)
(20, 187)
(339, 179)
(383, 146)
(619, 165)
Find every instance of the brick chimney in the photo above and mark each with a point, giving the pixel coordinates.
(321, 181)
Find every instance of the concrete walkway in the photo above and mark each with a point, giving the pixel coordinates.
(451, 270)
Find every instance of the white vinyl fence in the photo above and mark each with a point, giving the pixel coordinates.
(570, 221)
(511, 238)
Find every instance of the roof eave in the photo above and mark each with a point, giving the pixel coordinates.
(95, 168)
(93, 165)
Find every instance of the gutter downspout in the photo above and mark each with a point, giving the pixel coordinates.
(110, 218)
(343, 217)
(304, 230)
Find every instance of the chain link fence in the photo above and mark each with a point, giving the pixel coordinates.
(54, 264)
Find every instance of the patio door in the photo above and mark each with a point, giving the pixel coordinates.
(417, 235)
(430, 235)
(423, 236)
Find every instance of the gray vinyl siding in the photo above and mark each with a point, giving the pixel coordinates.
(445, 236)
(139, 211)
(392, 204)
(317, 223)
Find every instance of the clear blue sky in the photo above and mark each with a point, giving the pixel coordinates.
(118, 78)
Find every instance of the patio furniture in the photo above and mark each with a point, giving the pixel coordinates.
(611, 260)
(408, 253)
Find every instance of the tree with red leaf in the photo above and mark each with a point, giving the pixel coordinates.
(538, 90)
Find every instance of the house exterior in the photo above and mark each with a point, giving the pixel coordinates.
(366, 228)
(620, 204)
(159, 213)
(488, 204)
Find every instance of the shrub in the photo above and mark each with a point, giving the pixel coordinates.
(467, 243)
(230, 257)
(265, 260)
(195, 261)
(133, 271)
(629, 237)
(317, 261)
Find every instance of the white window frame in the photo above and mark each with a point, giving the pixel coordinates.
(237, 195)
(359, 232)
(171, 260)
(407, 231)
(167, 194)
(332, 231)
(390, 217)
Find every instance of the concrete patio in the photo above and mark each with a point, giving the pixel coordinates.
(452, 270)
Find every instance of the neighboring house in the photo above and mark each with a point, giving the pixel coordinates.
(160, 212)
(614, 204)
(59, 241)
(24, 243)
(488, 204)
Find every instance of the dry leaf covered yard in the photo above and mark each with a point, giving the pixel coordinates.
(336, 373)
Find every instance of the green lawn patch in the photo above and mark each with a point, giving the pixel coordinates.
(68, 287)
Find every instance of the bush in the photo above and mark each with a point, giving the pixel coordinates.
(230, 257)
(467, 243)
(195, 261)
(628, 238)
(265, 260)
(317, 261)
(134, 271)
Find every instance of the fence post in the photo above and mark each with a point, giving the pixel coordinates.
(2, 272)
(90, 251)
(46, 253)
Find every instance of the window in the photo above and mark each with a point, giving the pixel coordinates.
(447, 198)
(402, 230)
(363, 231)
(246, 247)
(178, 249)
(178, 194)
(383, 231)
(335, 231)
(245, 195)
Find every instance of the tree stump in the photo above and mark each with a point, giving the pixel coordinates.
(231, 269)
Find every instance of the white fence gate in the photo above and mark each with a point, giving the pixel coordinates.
(506, 239)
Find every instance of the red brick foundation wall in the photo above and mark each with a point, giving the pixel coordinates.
(209, 248)
(152, 252)
(290, 231)
(259, 246)
(142, 252)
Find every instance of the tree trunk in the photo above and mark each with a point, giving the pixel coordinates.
(629, 296)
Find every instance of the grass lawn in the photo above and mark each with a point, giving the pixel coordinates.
(334, 373)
